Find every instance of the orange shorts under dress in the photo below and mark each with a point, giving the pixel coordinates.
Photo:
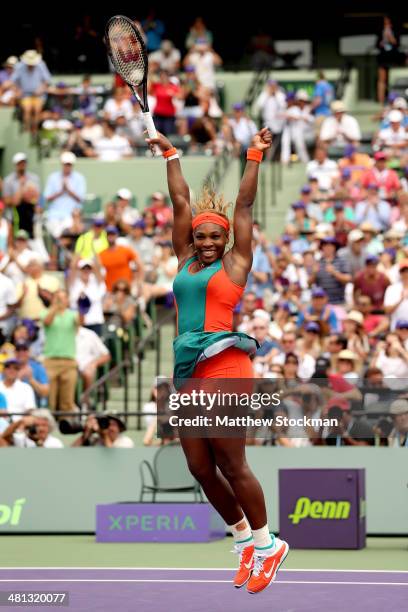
(230, 363)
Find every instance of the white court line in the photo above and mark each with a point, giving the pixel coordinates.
(331, 582)
(205, 569)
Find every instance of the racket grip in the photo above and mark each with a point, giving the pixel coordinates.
(149, 123)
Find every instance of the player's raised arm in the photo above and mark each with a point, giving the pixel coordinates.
(179, 195)
(242, 250)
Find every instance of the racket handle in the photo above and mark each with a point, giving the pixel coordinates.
(149, 123)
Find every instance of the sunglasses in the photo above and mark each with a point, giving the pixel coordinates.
(259, 327)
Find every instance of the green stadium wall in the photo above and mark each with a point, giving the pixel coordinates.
(62, 487)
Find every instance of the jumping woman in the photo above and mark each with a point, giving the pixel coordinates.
(208, 286)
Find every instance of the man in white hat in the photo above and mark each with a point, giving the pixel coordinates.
(393, 139)
(64, 191)
(341, 128)
(21, 192)
(399, 412)
(127, 214)
(32, 77)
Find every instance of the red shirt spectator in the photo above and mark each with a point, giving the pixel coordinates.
(164, 94)
(371, 282)
(386, 179)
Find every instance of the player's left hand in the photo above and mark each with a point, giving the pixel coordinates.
(262, 140)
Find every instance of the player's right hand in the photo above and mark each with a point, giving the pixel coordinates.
(161, 141)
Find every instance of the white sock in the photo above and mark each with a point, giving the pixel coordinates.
(241, 536)
(263, 540)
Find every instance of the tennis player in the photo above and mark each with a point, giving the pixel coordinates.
(209, 284)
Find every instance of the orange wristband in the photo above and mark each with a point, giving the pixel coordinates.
(170, 152)
(254, 155)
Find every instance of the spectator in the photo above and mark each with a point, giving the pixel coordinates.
(242, 126)
(120, 262)
(158, 205)
(166, 269)
(205, 60)
(119, 105)
(319, 311)
(392, 359)
(65, 190)
(93, 241)
(396, 297)
(33, 431)
(271, 103)
(322, 97)
(371, 282)
(341, 128)
(353, 331)
(401, 329)
(349, 431)
(354, 161)
(91, 354)
(8, 305)
(166, 58)
(341, 225)
(87, 289)
(354, 254)
(36, 289)
(243, 317)
(141, 244)
(386, 179)
(154, 29)
(297, 129)
(399, 435)
(347, 364)
(91, 130)
(198, 30)
(388, 56)
(6, 235)
(305, 363)
(322, 168)
(259, 277)
(112, 147)
(332, 273)
(21, 191)
(165, 92)
(259, 328)
(374, 210)
(31, 77)
(104, 430)
(33, 373)
(19, 395)
(373, 244)
(125, 212)
(374, 325)
(60, 327)
(393, 140)
(118, 306)
(8, 69)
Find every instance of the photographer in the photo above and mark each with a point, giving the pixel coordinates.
(104, 430)
(32, 431)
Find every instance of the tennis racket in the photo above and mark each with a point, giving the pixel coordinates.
(127, 51)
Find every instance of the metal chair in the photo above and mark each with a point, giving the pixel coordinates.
(168, 474)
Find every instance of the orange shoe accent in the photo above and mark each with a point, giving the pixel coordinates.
(266, 568)
(246, 565)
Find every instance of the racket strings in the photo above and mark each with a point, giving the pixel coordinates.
(126, 52)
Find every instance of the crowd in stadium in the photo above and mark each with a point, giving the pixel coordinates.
(327, 300)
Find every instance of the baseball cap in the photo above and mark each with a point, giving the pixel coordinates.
(306, 189)
(340, 402)
(112, 229)
(380, 155)
(139, 223)
(302, 95)
(371, 259)
(286, 238)
(124, 194)
(298, 205)
(346, 173)
(399, 406)
(338, 106)
(238, 106)
(395, 116)
(312, 327)
(329, 240)
(22, 235)
(99, 221)
(400, 103)
(348, 355)
(83, 263)
(355, 235)
(11, 361)
(158, 195)
(68, 158)
(356, 316)
(318, 292)
(349, 150)
(19, 157)
(401, 324)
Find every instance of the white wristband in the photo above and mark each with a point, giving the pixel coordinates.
(175, 156)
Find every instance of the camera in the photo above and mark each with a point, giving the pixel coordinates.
(32, 430)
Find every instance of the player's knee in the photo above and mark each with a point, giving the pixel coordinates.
(231, 468)
(200, 470)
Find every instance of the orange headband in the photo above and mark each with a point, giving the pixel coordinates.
(210, 217)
